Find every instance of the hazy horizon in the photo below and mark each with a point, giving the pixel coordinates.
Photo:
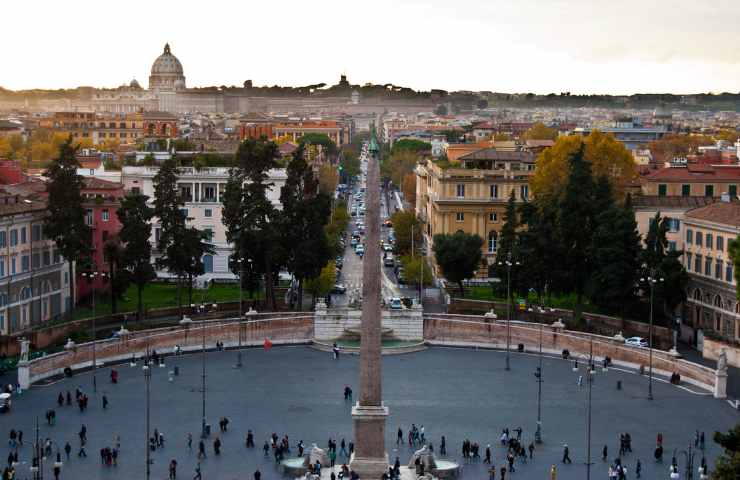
(508, 46)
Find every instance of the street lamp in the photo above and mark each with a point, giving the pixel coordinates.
(538, 374)
(241, 262)
(651, 280)
(689, 455)
(509, 263)
(203, 381)
(591, 371)
(147, 381)
(91, 278)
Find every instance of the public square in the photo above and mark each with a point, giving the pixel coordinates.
(296, 390)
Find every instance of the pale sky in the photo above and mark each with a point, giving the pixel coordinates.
(542, 46)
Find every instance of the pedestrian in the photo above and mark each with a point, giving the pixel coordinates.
(553, 472)
(332, 457)
(488, 454)
(503, 473)
(160, 440)
(399, 438)
(701, 441)
(257, 475)
(105, 402)
(201, 451)
(604, 453)
(173, 469)
(69, 398)
(421, 433)
(190, 441)
(638, 469)
(217, 446)
(197, 472)
(60, 400)
(266, 448)
(566, 454)
(510, 461)
(531, 450)
(67, 449)
(342, 449)
(250, 439)
(443, 446)
(82, 452)
(20, 437)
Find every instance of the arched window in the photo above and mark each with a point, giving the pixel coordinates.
(718, 301)
(3, 299)
(25, 293)
(492, 241)
(697, 294)
(46, 287)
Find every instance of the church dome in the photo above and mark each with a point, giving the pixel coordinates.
(134, 84)
(167, 73)
(167, 63)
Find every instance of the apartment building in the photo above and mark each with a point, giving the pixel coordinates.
(126, 128)
(712, 297)
(472, 197)
(692, 179)
(201, 190)
(34, 278)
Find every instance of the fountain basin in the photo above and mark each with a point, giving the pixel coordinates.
(293, 467)
(446, 469)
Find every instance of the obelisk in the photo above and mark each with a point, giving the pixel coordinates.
(370, 460)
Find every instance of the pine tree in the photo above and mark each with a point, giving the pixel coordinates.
(508, 244)
(113, 253)
(250, 218)
(615, 251)
(576, 224)
(539, 246)
(135, 217)
(65, 218)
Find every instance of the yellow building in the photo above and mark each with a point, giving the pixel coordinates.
(472, 197)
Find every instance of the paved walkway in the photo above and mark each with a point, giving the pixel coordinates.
(459, 393)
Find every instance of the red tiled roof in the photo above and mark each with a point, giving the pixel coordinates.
(698, 173)
(727, 213)
(100, 184)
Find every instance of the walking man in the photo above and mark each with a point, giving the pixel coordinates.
(173, 469)
(566, 454)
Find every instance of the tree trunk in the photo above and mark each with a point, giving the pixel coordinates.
(462, 289)
(300, 295)
(112, 279)
(140, 306)
(179, 295)
(190, 289)
(73, 293)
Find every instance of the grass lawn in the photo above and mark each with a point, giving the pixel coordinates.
(157, 295)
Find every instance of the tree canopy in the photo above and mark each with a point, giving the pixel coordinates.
(458, 255)
(539, 131)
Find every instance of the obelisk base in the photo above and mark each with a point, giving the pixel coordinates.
(370, 459)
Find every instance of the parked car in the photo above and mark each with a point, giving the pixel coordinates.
(636, 342)
(339, 289)
(399, 276)
(387, 247)
(395, 303)
(388, 261)
(360, 249)
(353, 242)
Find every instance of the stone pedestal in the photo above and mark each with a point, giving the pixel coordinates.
(370, 459)
(24, 375)
(720, 384)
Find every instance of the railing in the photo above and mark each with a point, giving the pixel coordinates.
(278, 328)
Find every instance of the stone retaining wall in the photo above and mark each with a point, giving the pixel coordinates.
(407, 324)
(713, 347)
(602, 324)
(464, 329)
(290, 330)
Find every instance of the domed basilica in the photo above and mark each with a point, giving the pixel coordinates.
(167, 73)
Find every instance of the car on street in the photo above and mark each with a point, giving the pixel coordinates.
(339, 289)
(388, 223)
(636, 342)
(395, 303)
(399, 276)
(353, 242)
(387, 247)
(360, 249)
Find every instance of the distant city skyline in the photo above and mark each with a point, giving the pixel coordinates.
(512, 46)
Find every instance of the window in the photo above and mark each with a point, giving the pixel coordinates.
(88, 217)
(2, 239)
(493, 217)
(709, 190)
(524, 192)
(662, 190)
(208, 213)
(708, 266)
(733, 191)
(47, 258)
(720, 243)
(671, 246)
(105, 215)
(2, 267)
(36, 233)
(13, 238)
(57, 257)
(209, 194)
(689, 236)
(688, 261)
(728, 272)
(23, 235)
(718, 269)
(494, 191)
(460, 216)
(36, 260)
(492, 241)
(674, 224)
(697, 264)
(709, 241)
(157, 234)
(25, 263)
(698, 239)
(460, 190)
(685, 190)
